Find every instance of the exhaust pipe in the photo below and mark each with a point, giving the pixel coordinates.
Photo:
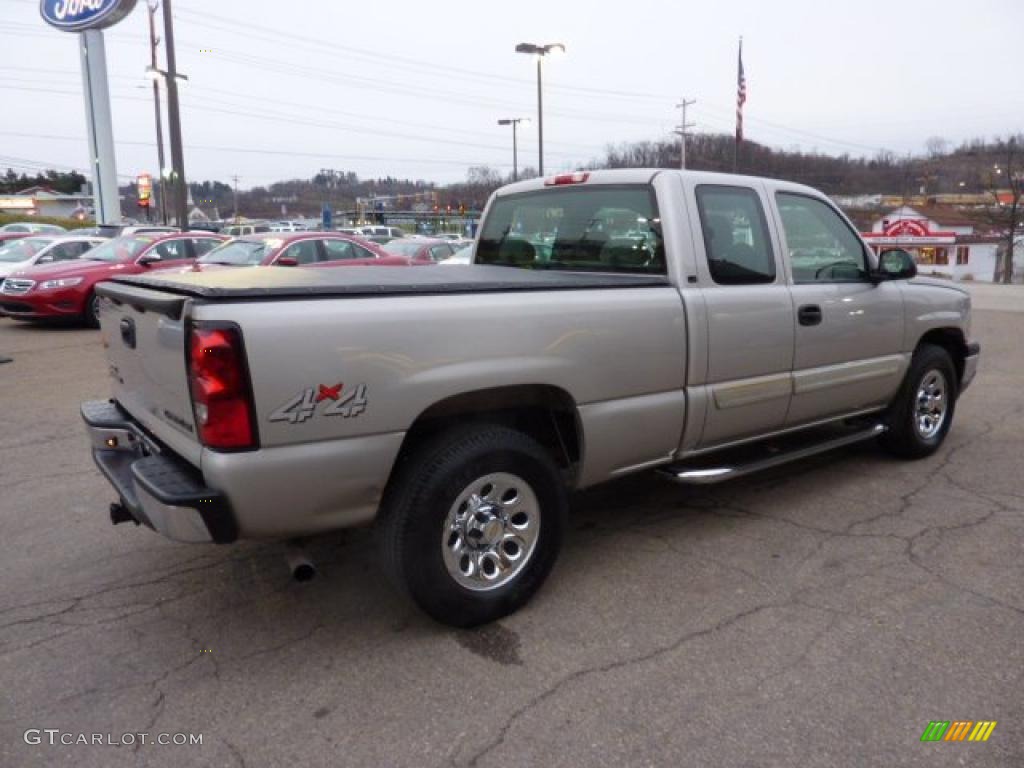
(298, 560)
(119, 514)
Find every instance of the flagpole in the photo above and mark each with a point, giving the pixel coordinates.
(741, 97)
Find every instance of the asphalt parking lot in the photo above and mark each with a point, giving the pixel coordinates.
(820, 615)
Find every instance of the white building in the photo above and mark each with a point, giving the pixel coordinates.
(43, 201)
(942, 240)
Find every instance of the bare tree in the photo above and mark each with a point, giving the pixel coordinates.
(1006, 214)
(936, 146)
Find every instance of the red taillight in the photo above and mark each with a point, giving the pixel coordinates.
(567, 178)
(219, 383)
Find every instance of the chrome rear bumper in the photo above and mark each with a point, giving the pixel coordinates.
(157, 488)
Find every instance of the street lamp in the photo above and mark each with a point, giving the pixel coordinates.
(514, 122)
(540, 51)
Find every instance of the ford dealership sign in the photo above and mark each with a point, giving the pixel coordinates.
(79, 15)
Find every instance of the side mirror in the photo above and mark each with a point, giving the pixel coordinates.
(896, 264)
(149, 258)
(286, 261)
(45, 259)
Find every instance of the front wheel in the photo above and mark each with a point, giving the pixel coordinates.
(473, 523)
(922, 413)
(91, 315)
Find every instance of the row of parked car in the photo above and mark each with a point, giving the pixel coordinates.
(50, 276)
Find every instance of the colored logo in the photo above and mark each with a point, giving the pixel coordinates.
(958, 730)
(340, 402)
(78, 15)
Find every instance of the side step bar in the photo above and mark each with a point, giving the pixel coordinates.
(692, 474)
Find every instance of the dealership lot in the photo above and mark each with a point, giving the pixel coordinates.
(821, 614)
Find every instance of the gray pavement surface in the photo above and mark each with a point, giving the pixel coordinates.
(820, 615)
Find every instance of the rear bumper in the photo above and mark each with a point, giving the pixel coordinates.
(970, 364)
(157, 487)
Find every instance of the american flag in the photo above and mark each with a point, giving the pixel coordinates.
(741, 96)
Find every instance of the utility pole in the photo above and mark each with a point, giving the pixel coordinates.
(154, 41)
(681, 131)
(174, 117)
(235, 179)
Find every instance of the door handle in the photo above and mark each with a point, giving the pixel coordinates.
(809, 314)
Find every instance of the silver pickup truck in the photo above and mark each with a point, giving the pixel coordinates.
(612, 322)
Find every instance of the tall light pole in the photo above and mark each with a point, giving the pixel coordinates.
(154, 41)
(540, 51)
(514, 122)
(174, 118)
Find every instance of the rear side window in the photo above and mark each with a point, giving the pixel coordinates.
(338, 250)
(735, 235)
(822, 247)
(601, 228)
(439, 252)
(203, 245)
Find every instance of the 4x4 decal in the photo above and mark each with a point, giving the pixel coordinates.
(304, 405)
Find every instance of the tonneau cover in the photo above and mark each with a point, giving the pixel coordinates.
(244, 283)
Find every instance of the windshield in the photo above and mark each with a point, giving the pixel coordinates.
(238, 253)
(23, 249)
(590, 229)
(119, 249)
(406, 247)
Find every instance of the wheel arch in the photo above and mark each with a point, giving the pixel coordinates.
(952, 340)
(545, 412)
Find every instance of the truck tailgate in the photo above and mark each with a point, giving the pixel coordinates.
(144, 335)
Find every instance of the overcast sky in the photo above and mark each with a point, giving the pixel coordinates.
(413, 88)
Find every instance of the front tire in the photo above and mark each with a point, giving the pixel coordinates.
(922, 413)
(472, 523)
(91, 315)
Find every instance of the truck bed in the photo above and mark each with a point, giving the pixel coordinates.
(246, 284)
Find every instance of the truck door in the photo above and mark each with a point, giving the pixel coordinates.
(749, 314)
(849, 330)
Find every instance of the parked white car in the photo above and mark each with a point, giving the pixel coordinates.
(26, 252)
(31, 226)
(462, 256)
(381, 231)
(287, 226)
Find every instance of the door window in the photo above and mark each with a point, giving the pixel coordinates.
(67, 251)
(170, 250)
(822, 247)
(735, 235)
(304, 252)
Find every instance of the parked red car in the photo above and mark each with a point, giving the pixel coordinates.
(66, 289)
(422, 250)
(298, 249)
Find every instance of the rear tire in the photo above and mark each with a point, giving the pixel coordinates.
(91, 315)
(472, 523)
(922, 412)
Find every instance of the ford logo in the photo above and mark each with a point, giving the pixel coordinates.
(79, 15)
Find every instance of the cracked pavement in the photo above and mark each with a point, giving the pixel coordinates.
(816, 615)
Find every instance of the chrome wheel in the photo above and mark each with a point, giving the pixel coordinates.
(491, 531)
(931, 404)
(94, 307)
